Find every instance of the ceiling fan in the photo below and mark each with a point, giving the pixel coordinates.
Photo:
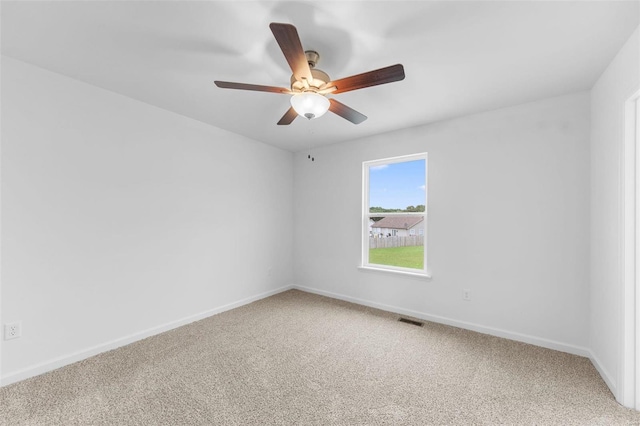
(309, 86)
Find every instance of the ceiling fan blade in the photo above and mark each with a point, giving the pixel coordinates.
(288, 117)
(287, 37)
(345, 112)
(255, 87)
(367, 79)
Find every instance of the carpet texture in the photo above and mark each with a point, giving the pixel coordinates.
(299, 358)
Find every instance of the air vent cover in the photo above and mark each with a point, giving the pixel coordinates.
(412, 322)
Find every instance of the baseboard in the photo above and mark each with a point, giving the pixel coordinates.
(114, 344)
(519, 337)
(604, 374)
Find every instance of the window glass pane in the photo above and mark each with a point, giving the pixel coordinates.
(397, 187)
(397, 241)
(395, 198)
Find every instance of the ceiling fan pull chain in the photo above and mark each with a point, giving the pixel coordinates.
(309, 157)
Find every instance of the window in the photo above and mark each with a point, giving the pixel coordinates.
(394, 199)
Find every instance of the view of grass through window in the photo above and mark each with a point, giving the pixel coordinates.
(397, 239)
(406, 257)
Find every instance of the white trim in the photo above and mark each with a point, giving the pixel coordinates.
(1, 318)
(606, 376)
(389, 270)
(114, 344)
(628, 391)
(398, 159)
(636, 310)
(519, 337)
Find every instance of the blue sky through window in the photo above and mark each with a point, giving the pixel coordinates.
(397, 185)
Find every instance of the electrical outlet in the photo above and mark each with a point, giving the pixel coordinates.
(12, 330)
(466, 294)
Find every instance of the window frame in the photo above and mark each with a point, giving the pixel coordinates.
(366, 215)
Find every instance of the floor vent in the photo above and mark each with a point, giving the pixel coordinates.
(412, 322)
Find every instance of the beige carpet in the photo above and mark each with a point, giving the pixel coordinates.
(298, 358)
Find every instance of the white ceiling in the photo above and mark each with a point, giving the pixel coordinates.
(459, 57)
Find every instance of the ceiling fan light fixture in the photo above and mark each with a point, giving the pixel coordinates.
(310, 105)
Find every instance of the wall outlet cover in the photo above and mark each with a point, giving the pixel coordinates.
(12, 330)
(466, 294)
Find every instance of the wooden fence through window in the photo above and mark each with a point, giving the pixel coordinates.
(386, 242)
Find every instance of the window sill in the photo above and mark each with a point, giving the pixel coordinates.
(422, 275)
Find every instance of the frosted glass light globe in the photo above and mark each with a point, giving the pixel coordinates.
(309, 104)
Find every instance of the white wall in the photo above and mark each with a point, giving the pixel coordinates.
(508, 218)
(620, 81)
(120, 219)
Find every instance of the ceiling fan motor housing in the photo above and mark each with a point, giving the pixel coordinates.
(320, 78)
